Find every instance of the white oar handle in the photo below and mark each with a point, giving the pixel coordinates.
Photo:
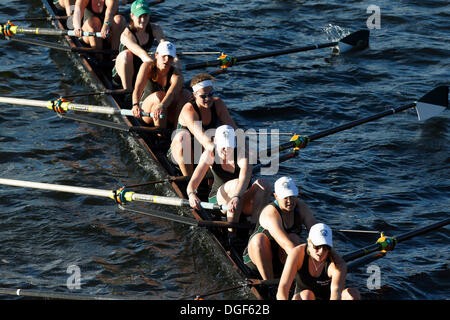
(127, 112)
(213, 206)
(86, 34)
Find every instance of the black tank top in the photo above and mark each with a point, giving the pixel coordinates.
(147, 46)
(319, 285)
(214, 123)
(295, 228)
(101, 14)
(153, 86)
(221, 176)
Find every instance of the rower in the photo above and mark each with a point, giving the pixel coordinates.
(317, 275)
(203, 113)
(278, 230)
(98, 16)
(232, 174)
(65, 5)
(135, 42)
(159, 85)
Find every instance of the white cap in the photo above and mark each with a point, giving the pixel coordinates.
(166, 48)
(321, 234)
(225, 137)
(285, 187)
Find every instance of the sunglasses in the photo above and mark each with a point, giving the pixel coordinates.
(209, 95)
(324, 247)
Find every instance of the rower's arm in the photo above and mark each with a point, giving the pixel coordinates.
(191, 121)
(129, 41)
(308, 218)
(80, 6)
(206, 159)
(158, 33)
(293, 262)
(271, 221)
(176, 84)
(245, 174)
(141, 81)
(224, 114)
(338, 261)
(337, 281)
(112, 6)
(67, 7)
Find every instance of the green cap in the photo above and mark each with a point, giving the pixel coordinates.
(140, 7)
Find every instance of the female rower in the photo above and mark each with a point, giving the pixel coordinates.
(204, 112)
(98, 16)
(159, 85)
(232, 173)
(135, 42)
(278, 230)
(314, 267)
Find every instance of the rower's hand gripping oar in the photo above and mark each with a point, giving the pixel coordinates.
(121, 195)
(354, 41)
(430, 105)
(60, 105)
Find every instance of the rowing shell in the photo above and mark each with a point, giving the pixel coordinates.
(157, 151)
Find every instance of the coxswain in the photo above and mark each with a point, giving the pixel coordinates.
(232, 184)
(159, 88)
(98, 16)
(135, 43)
(278, 230)
(316, 273)
(197, 122)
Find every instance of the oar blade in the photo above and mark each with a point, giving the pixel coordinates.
(433, 103)
(358, 40)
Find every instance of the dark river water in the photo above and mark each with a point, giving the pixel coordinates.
(390, 175)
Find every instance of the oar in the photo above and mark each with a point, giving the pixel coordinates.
(64, 296)
(190, 221)
(244, 284)
(357, 40)
(95, 93)
(215, 224)
(39, 18)
(67, 105)
(430, 105)
(7, 30)
(120, 196)
(86, 50)
(56, 46)
(386, 244)
(109, 124)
